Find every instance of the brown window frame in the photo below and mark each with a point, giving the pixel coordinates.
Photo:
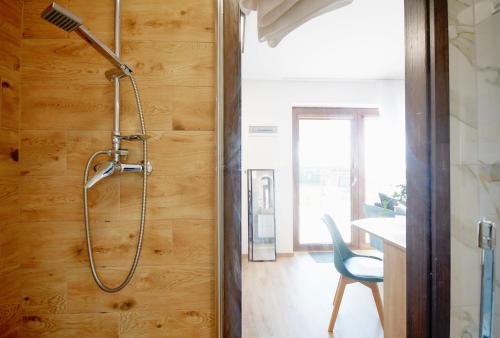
(357, 115)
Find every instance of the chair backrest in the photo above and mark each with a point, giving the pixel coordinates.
(374, 211)
(341, 250)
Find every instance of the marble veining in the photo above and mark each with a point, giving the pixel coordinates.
(475, 151)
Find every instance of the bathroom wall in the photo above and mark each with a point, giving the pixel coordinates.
(10, 52)
(66, 115)
(475, 152)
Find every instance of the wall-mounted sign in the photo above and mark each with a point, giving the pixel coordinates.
(263, 129)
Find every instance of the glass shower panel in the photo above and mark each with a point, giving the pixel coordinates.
(474, 27)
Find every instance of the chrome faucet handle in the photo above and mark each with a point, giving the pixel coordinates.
(135, 167)
(108, 169)
(148, 167)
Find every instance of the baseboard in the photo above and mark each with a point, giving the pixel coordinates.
(286, 254)
(279, 254)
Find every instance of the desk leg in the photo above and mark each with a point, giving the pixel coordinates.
(394, 291)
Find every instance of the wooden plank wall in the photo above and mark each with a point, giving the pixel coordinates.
(66, 114)
(10, 63)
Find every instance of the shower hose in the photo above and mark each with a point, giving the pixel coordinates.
(143, 207)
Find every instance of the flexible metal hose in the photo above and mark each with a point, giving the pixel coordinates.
(143, 208)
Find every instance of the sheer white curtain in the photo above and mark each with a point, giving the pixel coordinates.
(277, 18)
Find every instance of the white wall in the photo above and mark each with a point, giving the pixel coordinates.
(271, 102)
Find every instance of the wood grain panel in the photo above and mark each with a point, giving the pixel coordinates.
(176, 20)
(103, 200)
(152, 289)
(166, 242)
(9, 200)
(98, 18)
(171, 323)
(149, 20)
(157, 104)
(43, 152)
(10, 63)
(61, 202)
(62, 60)
(10, 285)
(183, 108)
(66, 114)
(9, 152)
(395, 299)
(172, 63)
(9, 243)
(114, 243)
(10, 60)
(9, 267)
(34, 27)
(56, 198)
(10, 27)
(9, 110)
(58, 105)
(70, 325)
(169, 197)
(42, 244)
(178, 153)
(194, 108)
(44, 290)
(9, 319)
(80, 146)
(10, 38)
(165, 63)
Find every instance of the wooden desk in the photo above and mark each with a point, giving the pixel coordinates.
(393, 232)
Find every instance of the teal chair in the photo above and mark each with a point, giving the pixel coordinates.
(353, 268)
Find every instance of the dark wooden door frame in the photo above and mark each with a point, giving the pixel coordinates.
(356, 115)
(427, 153)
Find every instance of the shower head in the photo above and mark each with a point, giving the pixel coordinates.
(61, 17)
(64, 19)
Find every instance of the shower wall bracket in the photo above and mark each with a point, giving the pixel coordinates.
(115, 73)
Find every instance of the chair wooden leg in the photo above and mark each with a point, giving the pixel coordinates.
(378, 301)
(337, 300)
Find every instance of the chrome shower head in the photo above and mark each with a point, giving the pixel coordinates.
(64, 19)
(61, 17)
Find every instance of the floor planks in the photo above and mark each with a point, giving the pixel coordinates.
(293, 297)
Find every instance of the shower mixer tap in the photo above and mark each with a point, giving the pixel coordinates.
(69, 22)
(109, 168)
(106, 171)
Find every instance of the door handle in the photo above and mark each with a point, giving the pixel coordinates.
(487, 242)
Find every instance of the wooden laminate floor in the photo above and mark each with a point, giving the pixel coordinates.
(292, 298)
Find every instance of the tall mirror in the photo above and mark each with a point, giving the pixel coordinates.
(261, 216)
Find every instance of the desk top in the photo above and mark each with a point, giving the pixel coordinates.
(391, 230)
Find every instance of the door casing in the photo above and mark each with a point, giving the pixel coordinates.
(428, 169)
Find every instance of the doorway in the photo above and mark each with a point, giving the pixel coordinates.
(427, 116)
(329, 173)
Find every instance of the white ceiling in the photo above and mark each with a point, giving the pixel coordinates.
(364, 40)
